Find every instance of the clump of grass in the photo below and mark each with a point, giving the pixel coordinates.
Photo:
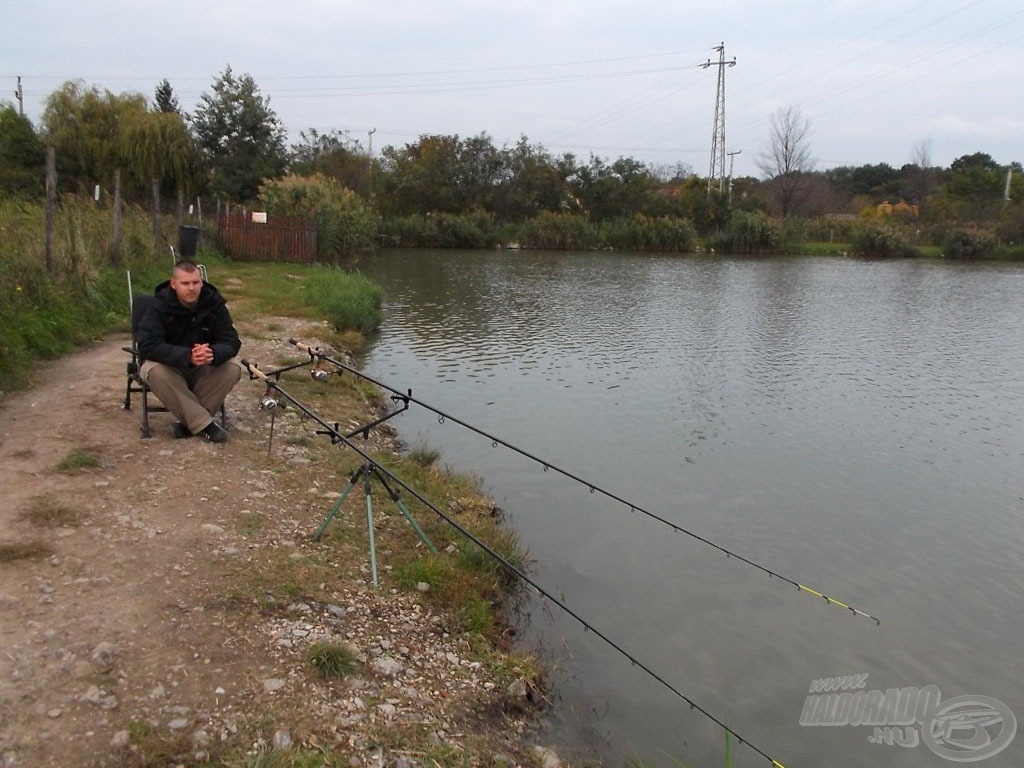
(51, 513)
(79, 458)
(350, 300)
(331, 659)
(424, 455)
(32, 550)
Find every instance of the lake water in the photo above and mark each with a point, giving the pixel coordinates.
(852, 425)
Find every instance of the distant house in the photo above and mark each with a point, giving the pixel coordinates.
(902, 209)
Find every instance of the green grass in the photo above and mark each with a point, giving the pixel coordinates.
(47, 313)
(79, 458)
(331, 660)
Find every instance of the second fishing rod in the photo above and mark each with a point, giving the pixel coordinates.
(274, 389)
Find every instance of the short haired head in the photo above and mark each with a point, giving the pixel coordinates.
(185, 265)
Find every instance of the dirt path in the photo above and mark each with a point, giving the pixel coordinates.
(115, 629)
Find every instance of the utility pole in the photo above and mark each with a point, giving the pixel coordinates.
(717, 169)
(732, 157)
(369, 161)
(20, 96)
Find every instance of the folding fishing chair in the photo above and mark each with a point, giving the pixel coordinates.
(136, 384)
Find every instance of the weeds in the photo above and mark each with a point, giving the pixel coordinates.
(32, 550)
(331, 660)
(48, 512)
(79, 458)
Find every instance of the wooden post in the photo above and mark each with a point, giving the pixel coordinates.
(51, 207)
(154, 187)
(115, 251)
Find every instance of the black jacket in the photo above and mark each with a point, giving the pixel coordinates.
(168, 330)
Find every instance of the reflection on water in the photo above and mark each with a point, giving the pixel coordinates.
(852, 425)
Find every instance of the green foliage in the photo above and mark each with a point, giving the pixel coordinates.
(880, 242)
(79, 458)
(86, 128)
(439, 174)
(331, 660)
(622, 188)
(96, 133)
(22, 156)
(164, 99)
(346, 226)
(476, 229)
(644, 233)
(558, 231)
(334, 155)
(240, 135)
(1010, 226)
(964, 244)
(44, 315)
(753, 233)
(349, 300)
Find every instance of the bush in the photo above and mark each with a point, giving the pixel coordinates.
(558, 231)
(476, 229)
(750, 232)
(644, 233)
(880, 242)
(346, 225)
(961, 244)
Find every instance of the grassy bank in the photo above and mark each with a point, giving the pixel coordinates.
(48, 310)
(45, 313)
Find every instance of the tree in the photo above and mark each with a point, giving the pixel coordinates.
(531, 182)
(620, 189)
(165, 100)
(443, 174)
(87, 127)
(241, 137)
(786, 161)
(22, 155)
(332, 154)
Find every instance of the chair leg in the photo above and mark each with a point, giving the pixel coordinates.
(145, 412)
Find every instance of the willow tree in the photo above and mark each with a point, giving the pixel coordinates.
(158, 146)
(109, 139)
(84, 127)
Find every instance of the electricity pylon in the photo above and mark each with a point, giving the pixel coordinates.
(717, 169)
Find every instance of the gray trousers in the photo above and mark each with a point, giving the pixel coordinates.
(195, 396)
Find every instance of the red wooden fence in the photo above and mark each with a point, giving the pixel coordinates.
(281, 238)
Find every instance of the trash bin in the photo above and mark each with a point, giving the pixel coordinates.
(188, 242)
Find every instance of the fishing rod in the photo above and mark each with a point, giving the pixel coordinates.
(331, 430)
(315, 354)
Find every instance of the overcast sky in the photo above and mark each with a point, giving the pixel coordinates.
(875, 79)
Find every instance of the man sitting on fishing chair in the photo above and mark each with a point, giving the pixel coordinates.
(189, 343)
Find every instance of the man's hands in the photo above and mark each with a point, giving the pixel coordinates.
(202, 354)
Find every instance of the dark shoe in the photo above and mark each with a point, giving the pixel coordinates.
(215, 433)
(179, 430)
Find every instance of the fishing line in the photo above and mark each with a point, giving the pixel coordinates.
(274, 388)
(593, 487)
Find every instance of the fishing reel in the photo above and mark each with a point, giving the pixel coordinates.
(269, 401)
(318, 374)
